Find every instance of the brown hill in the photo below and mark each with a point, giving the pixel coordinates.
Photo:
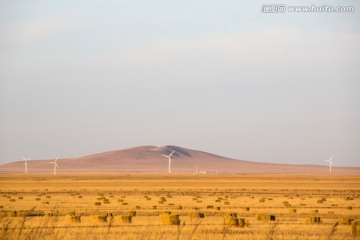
(149, 159)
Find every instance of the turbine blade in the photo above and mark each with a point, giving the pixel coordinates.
(56, 165)
(171, 153)
(331, 157)
(165, 155)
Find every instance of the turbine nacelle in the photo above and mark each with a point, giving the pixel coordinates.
(169, 155)
(330, 162)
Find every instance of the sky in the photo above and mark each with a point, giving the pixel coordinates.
(82, 77)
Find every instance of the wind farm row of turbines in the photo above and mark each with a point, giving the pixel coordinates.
(330, 161)
(54, 162)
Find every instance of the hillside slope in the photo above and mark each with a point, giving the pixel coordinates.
(149, 159)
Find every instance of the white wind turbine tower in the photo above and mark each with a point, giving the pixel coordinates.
(169, 159)
(330, 161)
(25, 161)
(55, 165)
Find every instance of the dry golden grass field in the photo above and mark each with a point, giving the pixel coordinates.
(179, 207)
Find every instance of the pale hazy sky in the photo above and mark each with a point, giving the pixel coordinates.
(81, 77)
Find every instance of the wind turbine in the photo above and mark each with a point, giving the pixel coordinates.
(169, 159)
(330, 162)
(55, 165)
(25, 161)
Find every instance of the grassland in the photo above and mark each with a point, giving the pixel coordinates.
(136, 206)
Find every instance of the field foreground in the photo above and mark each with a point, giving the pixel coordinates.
(144, 206)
